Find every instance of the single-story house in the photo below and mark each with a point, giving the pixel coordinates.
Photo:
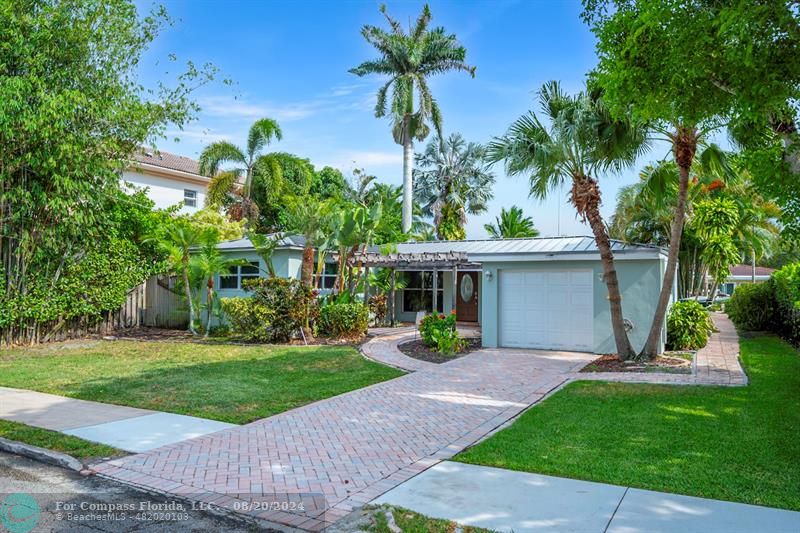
(745, 274)
(545, 293)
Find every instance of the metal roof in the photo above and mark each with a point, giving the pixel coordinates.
(286, 241)
(542, 245)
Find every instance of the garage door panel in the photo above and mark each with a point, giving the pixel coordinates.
(546, 309)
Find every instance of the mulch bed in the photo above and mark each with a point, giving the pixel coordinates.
(182, 335)
(418, 350)
(668, 364)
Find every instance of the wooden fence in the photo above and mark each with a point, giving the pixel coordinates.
(150, 304)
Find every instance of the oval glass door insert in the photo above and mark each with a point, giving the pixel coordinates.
(467, 289)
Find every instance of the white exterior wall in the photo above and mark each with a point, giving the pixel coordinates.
(166, 192)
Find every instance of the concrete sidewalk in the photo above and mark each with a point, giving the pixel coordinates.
(126, 428)
(504, 500)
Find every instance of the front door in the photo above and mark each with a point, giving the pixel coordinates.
(467, 297)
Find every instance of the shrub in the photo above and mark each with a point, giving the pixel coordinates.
(276, 311)
(439, 333)
(787, 302)
(752, 306)
(688, 326)
(343, 320)
(379, 306)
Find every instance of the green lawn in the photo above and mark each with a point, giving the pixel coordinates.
(53, 440)
(230, 383)
(737, 444)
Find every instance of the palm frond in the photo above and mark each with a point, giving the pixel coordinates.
(217, 153)
(262, 132)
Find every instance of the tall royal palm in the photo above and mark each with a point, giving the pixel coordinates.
(581, 141)
(511, 224)
(262, 132)
(409, 59)
(452, 179)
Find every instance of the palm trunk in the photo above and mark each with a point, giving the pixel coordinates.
(684, 146)
(586, 197)
(307, 268)
(408, 184)
(209, 300)
(188, 290)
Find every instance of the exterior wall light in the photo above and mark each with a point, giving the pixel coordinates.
(489, 275)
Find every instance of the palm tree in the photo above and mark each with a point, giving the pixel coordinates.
(262, 132)
(409, 59)
(511, 224)
(178, 242)
(581, 141)
(453, 179)
(207, 262)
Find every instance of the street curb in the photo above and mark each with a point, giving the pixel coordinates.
(41, 454)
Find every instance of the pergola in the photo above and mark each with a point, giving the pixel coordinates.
(434, 261)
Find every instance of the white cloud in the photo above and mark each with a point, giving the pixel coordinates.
(365, 158)
(224, 106)
(205, 135)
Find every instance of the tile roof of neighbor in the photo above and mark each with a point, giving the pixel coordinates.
(747, 270)
(160, 158)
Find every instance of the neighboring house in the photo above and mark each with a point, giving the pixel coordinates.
(745, 274)
(170, 179)
(545, 293)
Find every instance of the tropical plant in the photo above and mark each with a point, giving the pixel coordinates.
(511, 224)
(210, 218)
(278, 177)
(225, 184)
(715, 222)
(355, 231)
(265, 245)
(409, 59)
(452, 179)
(439, 332)
(207, 262)
(582, 141)
(177, 243)
(685, 68)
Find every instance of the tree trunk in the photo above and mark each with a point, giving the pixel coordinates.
(209, 300)
(307, 268)
(684, 146)
(586, 198)
(408, 184)
(188, 290)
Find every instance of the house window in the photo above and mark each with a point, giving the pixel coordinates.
(189, 198)
(328, 278)
(238, 275)
(418, 293)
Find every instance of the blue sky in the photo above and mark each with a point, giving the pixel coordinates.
(289, 61)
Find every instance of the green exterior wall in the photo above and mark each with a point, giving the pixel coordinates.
(640, 283)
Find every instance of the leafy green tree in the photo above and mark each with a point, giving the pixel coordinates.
(452, 179)
(328, 183)
(210, 218)
(265, 246)
(72, 111)
(715, 222)
(582, 141)
(511, 224)
(279, 176)
(226, 184)
(686, 67)
(409, 59)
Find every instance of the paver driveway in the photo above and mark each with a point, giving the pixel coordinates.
(332, 455)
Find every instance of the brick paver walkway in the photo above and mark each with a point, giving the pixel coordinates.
(340, 453)
(352, 448)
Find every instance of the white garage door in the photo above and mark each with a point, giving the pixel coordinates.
(551, 310)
